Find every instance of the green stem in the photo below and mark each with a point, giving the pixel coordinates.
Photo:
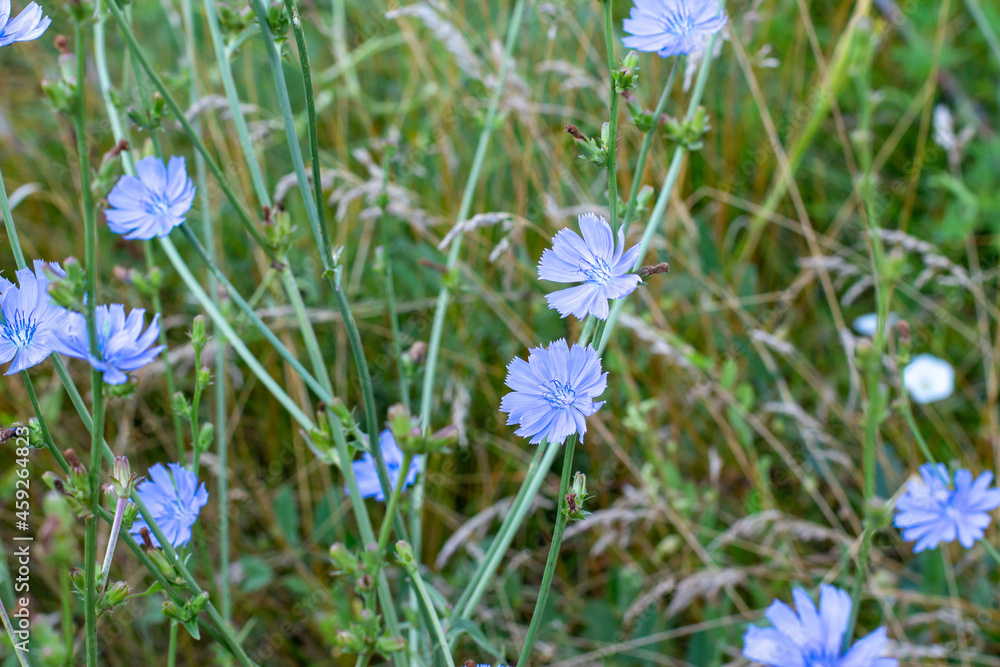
(239, 122)
(481, 578)
(305, 324)
(368, 395)
(13, 639)
(66, 598)
(241, 349)
(991, 550)
(109, 553)
(96, 379)
(364, 526)
(285, 105)
(875, 408)
(248, 310)
(307, 84)
(904, 397)
(660, 208)
(437, 328)
(390, 510)
(321, 236)
(562, 517)
(613, 133)
(390, 289)
(859, 578)
(436, 628)
(172, 646)
(647, 141)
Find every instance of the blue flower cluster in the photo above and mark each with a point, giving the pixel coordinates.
(143, 207)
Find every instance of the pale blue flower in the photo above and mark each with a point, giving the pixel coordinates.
(29, 24)
(367, 476)
(31, 324)
(672, 27)
(554, 391)
(122, 343)
(929, 379)
(174, 500)
(602, 266)
(930, 512)
(811, 637)
(866, 324)
(152, 202)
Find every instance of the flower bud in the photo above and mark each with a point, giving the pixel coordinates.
(116, 594)
(343, 560)
(405, 557)
(122, 478)
(198, 336)
(387, 645)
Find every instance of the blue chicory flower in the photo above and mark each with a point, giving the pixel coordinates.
(367, 477)
(174, 499)
(930, 512)
(554, 391)
(811, 637)
(122, 343)
(672, 27)
(29, 24)
(602, 266)
(151, 203)
(32, 324)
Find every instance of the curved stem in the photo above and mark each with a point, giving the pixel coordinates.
(436, 628)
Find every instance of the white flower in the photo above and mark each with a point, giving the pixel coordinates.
(929, 379)
(865, 324)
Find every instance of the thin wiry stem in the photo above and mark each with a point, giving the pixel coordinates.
(660, 208)
(96, 378)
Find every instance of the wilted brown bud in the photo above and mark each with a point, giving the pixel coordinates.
(62, 45)
(575, 131)
(146, 541)
(903, 328)
(648, 271)
(73, 461)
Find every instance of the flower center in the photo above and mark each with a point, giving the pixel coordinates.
(157, 204)
(20, 329)
(818, 657)
(597, 271)
(560, 395)
(679, 23)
